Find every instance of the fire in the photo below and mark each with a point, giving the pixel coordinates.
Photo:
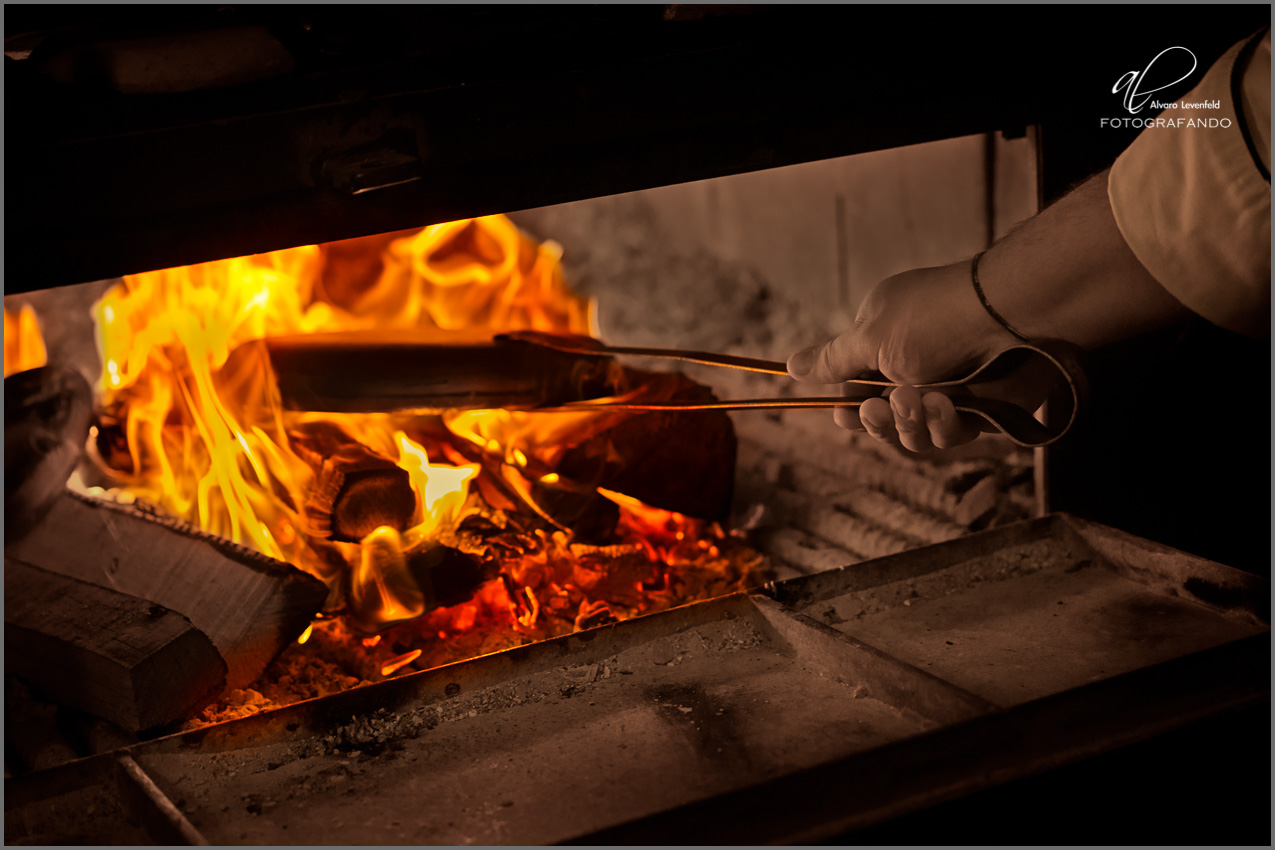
(23, 343)
(207, 438)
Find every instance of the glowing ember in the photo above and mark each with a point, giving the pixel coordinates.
(23, 344)
(394, 664)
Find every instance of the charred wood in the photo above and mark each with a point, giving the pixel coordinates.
(385, 371)
(678, 461)
(355, 490)
(47, 412)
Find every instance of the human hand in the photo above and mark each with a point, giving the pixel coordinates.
(917, 327)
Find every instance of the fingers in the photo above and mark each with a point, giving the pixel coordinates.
(946, 427)
(910, 420)
(878, 420)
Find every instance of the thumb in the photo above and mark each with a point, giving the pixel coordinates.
(835, 361)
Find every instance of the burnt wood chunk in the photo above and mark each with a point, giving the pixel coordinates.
(447, 576)
(46, 424)
(250, 605)
(128, 660)
(355, 489)
(678, 461)
(384, 371)
(564, 504)
(590, 516)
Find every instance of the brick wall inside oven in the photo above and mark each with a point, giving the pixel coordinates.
(762, 264)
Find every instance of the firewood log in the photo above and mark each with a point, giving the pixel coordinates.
(564, 504)
(383, 371)
(355, 489)
(115, 656)
(678, 461)
(250, 605)
(46, 423)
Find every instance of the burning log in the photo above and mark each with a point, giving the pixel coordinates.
(249, 605)
(563, 504)
(589, 516)
(355, 490)
(678, 461)
(389, 585)
(46, 423)
(358, 372)
(115, 656)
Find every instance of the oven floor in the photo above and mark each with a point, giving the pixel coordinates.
(552, 756)
(1029, 621)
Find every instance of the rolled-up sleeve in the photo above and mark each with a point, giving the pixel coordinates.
(1194, 202)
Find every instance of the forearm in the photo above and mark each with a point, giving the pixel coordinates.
(1068, 274)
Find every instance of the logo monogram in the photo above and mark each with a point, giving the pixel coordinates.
(1134, 83)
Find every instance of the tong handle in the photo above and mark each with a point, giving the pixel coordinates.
(590, 347)
(1019, 425)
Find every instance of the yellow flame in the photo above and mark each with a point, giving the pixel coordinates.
(23, 343)
(383, 589)
(440, 489)
(212, 445)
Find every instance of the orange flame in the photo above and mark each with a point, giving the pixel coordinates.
(23, 344)
(212, 445)
(391, 666)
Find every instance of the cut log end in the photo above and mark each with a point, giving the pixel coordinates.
(370, 500)
(125, 659)
(46, 424)
(355, 489)
(249, 605)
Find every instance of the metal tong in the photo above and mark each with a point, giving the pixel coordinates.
(381, 371)
(1055, 362)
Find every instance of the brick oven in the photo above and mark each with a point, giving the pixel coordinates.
(791, 634)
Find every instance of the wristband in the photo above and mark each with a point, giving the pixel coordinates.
(978, 289)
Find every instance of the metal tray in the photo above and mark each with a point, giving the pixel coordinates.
(817, 705)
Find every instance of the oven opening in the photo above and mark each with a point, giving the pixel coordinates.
(365, 411)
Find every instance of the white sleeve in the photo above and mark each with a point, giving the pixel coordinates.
(1194, 202)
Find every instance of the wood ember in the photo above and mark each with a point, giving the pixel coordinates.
(355, 490)
(448, 576)
(249, 605)
(590, 516)
(566, 505)
(47, 412)
(409, 583)
(115, 656)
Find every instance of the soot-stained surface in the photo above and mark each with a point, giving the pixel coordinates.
(1029, 620)
(548, 756)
